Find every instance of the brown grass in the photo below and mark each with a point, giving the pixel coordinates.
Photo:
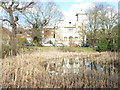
(26, 71)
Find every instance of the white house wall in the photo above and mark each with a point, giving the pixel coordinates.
(63, 32)
(62, 35)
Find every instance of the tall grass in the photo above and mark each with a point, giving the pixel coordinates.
(27, 71)
(6, 50)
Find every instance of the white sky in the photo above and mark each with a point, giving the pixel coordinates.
(76, 8)
(71, 7)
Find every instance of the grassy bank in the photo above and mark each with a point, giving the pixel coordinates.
(69, 49)
(76, 49)
(29, 49)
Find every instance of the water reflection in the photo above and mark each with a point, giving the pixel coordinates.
(75, 66)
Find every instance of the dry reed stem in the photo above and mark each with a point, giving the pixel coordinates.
(26, 71)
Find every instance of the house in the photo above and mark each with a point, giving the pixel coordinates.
(24, 33)
(21, 33)
(49, 32)
(68, 34)
(48, 35)
(71, 35)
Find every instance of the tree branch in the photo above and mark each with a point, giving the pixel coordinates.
(16, 6)
(27, 18)
(2, 4)
(23, 8)
(6, 20)
(11, 5)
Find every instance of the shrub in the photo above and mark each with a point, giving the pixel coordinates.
(102, 45)
(106, 45)
(36, 40)
(22, 40)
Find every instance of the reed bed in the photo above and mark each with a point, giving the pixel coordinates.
(26, 71)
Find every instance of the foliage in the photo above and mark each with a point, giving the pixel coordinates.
(36, 40)
(102, 25)
(102, 45)
(106, 45)
(22, 40)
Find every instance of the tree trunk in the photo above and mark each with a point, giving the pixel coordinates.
(13, 41)
(1, 43)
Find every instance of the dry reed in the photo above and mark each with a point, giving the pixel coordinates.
(26, 71)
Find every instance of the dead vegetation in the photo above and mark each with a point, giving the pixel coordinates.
(26, 71)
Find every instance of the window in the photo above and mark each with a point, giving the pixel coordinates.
(70, 37)
(65, 38)
(76, 38)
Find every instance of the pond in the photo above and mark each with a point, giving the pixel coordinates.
(75, 66)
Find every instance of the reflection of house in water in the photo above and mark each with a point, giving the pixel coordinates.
(65, 66)
(74, 66)
(71, 65)
(51, 67)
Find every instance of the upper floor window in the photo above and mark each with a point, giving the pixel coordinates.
(65, 38)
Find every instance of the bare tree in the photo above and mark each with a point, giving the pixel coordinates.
(41, 15)
(82, 32)
(101, 20)
(108, 19)
(10, 8)
(93, 23)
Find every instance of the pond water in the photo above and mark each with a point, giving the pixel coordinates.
(75, 66)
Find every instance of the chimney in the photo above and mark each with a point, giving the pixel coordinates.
(77, 16)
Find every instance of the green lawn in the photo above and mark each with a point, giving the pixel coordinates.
(77, 48)
(71, 49)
